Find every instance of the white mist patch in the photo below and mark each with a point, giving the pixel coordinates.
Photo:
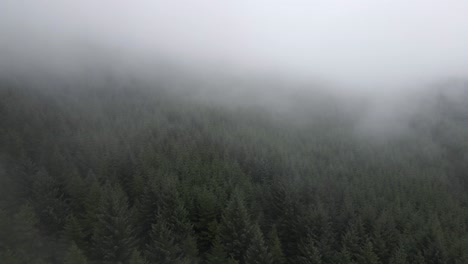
(360, 42)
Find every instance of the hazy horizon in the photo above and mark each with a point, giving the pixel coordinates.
(375, 45)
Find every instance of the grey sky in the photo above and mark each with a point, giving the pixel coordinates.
(356, 41)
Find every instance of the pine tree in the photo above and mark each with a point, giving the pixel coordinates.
(385, 236)
(137, 258)
(91, 206)
(73, 232)
(235, 229)
(163, 209)
(147, 210)
(206, 211)
(345, 257)
(274, 247)
(48, 199)
(113, 237)
(368, 256)
(257, 253)
(399, 256)
(8, 256)
(137, 186)
(178, 222)
(75, 256)
(418, 258)
(163, 247)
(25, 234)
(287, 212)
(77, 190)
(217, 254)
(433, 246)
(323, 235)
(351, 240)
(310, 253)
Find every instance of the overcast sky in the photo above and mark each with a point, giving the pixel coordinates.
(359, 41)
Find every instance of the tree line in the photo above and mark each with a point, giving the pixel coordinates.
(109, 173)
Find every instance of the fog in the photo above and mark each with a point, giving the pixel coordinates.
(375, 45)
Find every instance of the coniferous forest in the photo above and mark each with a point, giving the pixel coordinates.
(106, 171)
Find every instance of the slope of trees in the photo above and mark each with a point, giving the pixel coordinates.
(91, 174)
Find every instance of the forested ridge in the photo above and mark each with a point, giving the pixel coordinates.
(108, 172)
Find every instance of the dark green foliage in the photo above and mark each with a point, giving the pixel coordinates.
(206, 207)
(20, 239)
(49, 198)
(113, 235)
(8, 256)
(170, 238)
(217, 254)
(73, 232)
(90, 213)
(257, 253)
(310, 253)
(367, 254)
(274, 246)
(75, 256)
(167, 247)
(127, 175)
(137, 258)
(236, 229)
(344, 257)
(399, 256)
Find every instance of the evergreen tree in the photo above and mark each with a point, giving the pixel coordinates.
(8, 256)
(433, 246)
(399, 256)
(91, 207)
(76, 189)
(351, 240)
(113, 238)
(49, 200)
(257, 253)
(368, 256)
(326, 194)
(235, 229)
(206, 212)
(217, 254)
(345, 257)
(25, 239)
(274, 246)
(73, 232)
(310, 253)
(137, 258)
(163, 247)
(75, 256)
(289, 218)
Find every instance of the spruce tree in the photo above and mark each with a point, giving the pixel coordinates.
(235, 229)
(91, 207)
(257, 253)
(399, 256)
(217, 254)
(310, 253)
(113, 237)
(137, 258)
(367, 255)
(27, 242)
(10, 257)
(163, 247)
(274, 247)
(49, 201)
(206, 212)
(73, 232)
(75, 256)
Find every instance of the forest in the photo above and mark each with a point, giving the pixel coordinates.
(113, 171)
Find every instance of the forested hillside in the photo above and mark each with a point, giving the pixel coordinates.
(117, 172)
